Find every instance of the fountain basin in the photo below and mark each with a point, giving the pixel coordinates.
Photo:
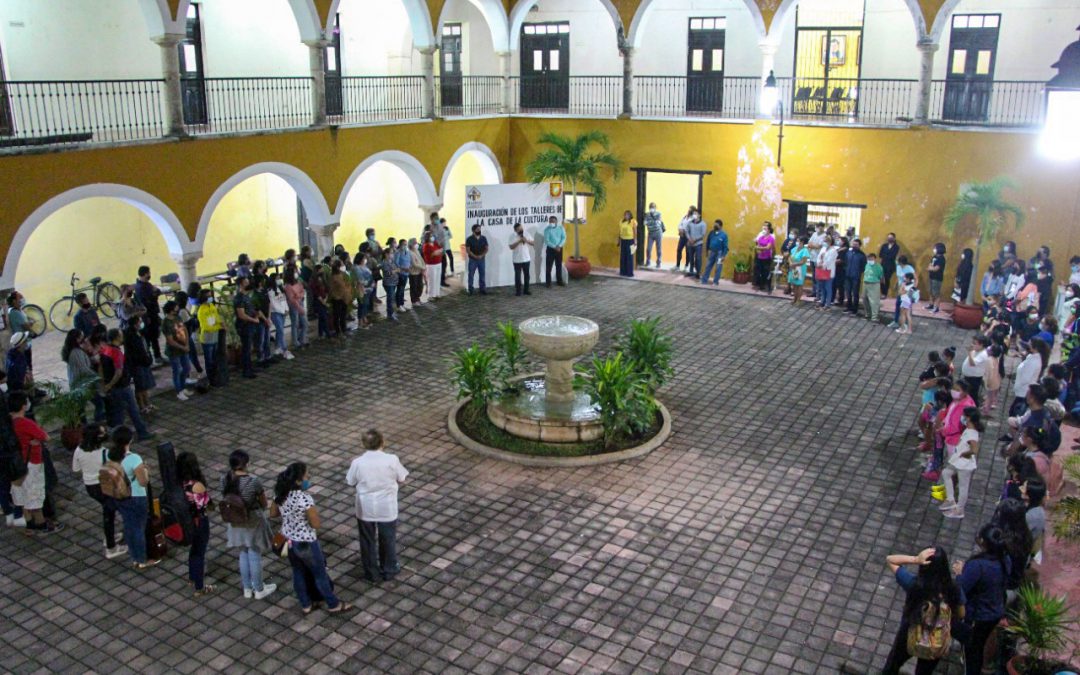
(559, 337)
(533, 414)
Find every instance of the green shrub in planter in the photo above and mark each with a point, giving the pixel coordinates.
(648, 348)
(507, 342)
(625, 399)
(475, 372)
(1041, 622)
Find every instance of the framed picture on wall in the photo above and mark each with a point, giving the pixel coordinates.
(833, 50)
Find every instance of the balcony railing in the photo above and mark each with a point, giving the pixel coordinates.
(469, 95)
(369, 99)
(248, 104)
(1002, 103)
(862, 101)
(74, 111)
(573, 95)
(728, 98)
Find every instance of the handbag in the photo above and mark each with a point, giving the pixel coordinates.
(822, 274)
(281, 546)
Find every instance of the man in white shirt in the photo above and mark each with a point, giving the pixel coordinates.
(973, 368)
(817, 240)
(521, 245)
(376, 475)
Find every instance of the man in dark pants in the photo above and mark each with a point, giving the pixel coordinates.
(476, 247)
(147, 294)
(247, 321)
(887, 255)
(554, 240)
(376, 475)
(853, 273)
(522, 256)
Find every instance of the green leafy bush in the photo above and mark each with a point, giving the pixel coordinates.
(65, 407)
(1067, 514)
(625, 399)
(649, 350)
(507, 342)
(1041, 621)
(742, 263)
(475, 371)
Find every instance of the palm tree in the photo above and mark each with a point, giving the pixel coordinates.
(571, 161)
(991, 211)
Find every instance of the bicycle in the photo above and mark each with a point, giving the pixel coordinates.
(35, 316)
(104, 297)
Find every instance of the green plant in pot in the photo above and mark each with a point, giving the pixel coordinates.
(475, 371)
(741, 269)
(984, 205)
(1041, 623)
(224, 297)
(66, 408)
(573, 161)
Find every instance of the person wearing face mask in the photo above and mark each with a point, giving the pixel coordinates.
(627, 236)
(1048, 328)
(764, 249)
(554, 240)
(973, 369)
(1069, 321)
(1007, 251)
(139, 362)
(887, 257)
(993, 283)
(521, 248)
(300, 524)
(654, 226)
(953, 428)
(717, 248)
(87, 317)
(936, 273)
(683, 224)
(1074, 269)
(854, 267)
(825, 268)
(814, 245)
(961, 464)
(1044, 282)
(695, 236)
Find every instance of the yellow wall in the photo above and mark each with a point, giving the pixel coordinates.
(97, 237)
(382, 197)
(257, 217)
(906, 177)
(468, 170)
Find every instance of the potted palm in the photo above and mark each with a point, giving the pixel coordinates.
(573, 161)
(1040, 622)
(67, 408)
(984, 204)
(741, 273)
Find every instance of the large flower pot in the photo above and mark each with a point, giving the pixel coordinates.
(967, 316)
(71, 437)
(578, 268)
(741, 277)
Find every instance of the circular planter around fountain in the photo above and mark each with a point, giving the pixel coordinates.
(967, 316)
(646, 446)
(578, 268)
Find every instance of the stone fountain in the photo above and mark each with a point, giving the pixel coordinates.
(548, 409)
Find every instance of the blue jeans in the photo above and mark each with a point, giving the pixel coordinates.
(262, 341)
(693, 258)
(825, 287)
(193, 353)
(714, 261)
(323, 319)
(279, 330)
(135, 512)
(378, 550)
(181, 368)
(481, 266)
(391, 293)
(306, 558)
(196, 561)
(298, 319)
(251, 569)
(209, 352)
(402, 282)
(121, 400)
(365, 303)
(658, 240)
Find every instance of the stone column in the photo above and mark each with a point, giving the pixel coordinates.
(507, 87)
(324, 238)
(185, 263)
(926, 48)
(317, 60)
(768, 57)
(627, 81)
(170, 71)
(427, 66)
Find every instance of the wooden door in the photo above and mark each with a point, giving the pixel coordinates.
(705, 65)
(545, 66)
(970, 76)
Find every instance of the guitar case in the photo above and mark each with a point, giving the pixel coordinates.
(156, 547)
(175, 510)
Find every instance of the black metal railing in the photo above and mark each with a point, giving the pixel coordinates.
(573, 95)
(469, 95)
(675, 96)
(862, 101)
(74, 111)
(1002, 103)
(376, 98)
(249, 104)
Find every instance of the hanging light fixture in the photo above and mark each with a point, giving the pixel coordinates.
(772, 107)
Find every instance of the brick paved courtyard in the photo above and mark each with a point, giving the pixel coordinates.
(752, 542)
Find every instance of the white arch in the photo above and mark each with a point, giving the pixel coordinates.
(308, 192)
(423, 33)
(307, 20)
(786, 6)
(492, 169)
(942, 20)
(498, 23)
(641, 19)
(521, 10)
(161, 215)
(418, 176)
(159, 19)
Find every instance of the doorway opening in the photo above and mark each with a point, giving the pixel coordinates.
(545, 66)
(673, 191)
(804, 216)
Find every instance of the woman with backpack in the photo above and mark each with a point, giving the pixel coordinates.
(198, 498)
(124, 479)
(933, 601)
(248, 529)
(983, 580)
(300, 524)
(88, 462)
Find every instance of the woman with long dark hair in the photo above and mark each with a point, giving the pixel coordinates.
(983, 579)
(927, 592)
(87, 460)
(253, 537)
(135, 510)
(198, 498)
(300, 524)
(1010, 516)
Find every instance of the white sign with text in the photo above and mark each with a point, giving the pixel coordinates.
(496, 208)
